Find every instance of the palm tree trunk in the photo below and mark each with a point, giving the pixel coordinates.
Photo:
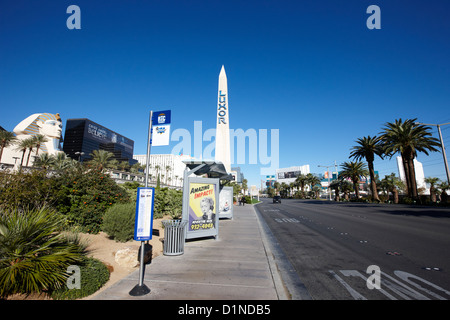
(373, 184)
(412, 175)
(407, 177)
(395, 195)
(23, 156)
(29, 154)
(432, 194)
(356, 187)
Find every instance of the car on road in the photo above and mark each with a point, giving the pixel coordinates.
(276, 199)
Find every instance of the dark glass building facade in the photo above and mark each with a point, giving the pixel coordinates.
(85, 136)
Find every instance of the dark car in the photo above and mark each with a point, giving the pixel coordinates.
(276, 199)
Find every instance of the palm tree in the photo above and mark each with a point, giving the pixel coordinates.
(346, 187)
(60, 162)
(444, 186)
(432, 181)
(392, 184)
(367, 148)
(45, 161)
(123, 165)
(6, 139)
(39, 139)
(316, 189)
(168, 168)
(300, 181)
(291, 187)
(244, 185)
(23, 146)
(283, 190)
(113, 164)
(353, 170)
(335, 185)
(276, 185)
(312, 180)
(31, 146)
(157, 167)
(408, 138)
(101, 159)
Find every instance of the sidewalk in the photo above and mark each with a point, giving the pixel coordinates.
(237, 266)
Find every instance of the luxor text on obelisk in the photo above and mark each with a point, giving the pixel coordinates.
(222, 125)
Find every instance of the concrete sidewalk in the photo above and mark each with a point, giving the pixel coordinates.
(237, 266)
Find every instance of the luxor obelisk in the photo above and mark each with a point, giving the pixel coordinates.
(222, 125)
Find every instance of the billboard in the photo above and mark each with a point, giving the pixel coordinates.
(201, 207)
(226, 202)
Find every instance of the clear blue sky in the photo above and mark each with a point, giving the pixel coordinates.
(311, 69)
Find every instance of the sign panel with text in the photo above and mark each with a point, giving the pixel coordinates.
(143, 225)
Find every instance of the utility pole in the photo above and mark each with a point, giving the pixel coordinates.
(442, 145)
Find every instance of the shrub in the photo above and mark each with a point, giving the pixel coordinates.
(168, 202)
(94, 274)
(31, 190)
(34, 255)
(118, 221)
(85, 197)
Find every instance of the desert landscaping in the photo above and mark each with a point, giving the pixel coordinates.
(121, 258)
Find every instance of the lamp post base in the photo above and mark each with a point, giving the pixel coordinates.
(139, 290)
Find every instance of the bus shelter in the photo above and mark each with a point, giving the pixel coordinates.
(201, 197)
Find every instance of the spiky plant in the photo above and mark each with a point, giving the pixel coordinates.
(34, 255)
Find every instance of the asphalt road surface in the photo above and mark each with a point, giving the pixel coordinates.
(364, 251)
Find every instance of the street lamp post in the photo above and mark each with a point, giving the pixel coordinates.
(79, 155)
(329, 189)
(442, 145)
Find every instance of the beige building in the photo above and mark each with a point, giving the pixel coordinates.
(170, 167)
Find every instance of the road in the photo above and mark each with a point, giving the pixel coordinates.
(331, 246)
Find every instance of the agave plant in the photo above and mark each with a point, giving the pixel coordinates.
(34, 255)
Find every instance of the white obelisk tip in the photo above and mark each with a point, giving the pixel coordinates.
(222, 72)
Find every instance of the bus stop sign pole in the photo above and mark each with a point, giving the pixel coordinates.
(141, 289)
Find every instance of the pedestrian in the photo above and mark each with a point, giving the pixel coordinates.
(243, 200)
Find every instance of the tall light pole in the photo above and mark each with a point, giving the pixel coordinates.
(329, 189)
(442, 145)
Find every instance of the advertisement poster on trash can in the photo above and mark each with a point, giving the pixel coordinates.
(226, 202)
(202, 206)
(143, 224)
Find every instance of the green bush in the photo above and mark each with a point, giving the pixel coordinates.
(24, 190)
(85, 197)
(118, 221)
(168, 202)
(34, 255)
(94, 274)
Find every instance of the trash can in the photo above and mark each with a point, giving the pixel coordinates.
(173, 237)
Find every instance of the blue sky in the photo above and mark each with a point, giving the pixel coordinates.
(311, 69)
